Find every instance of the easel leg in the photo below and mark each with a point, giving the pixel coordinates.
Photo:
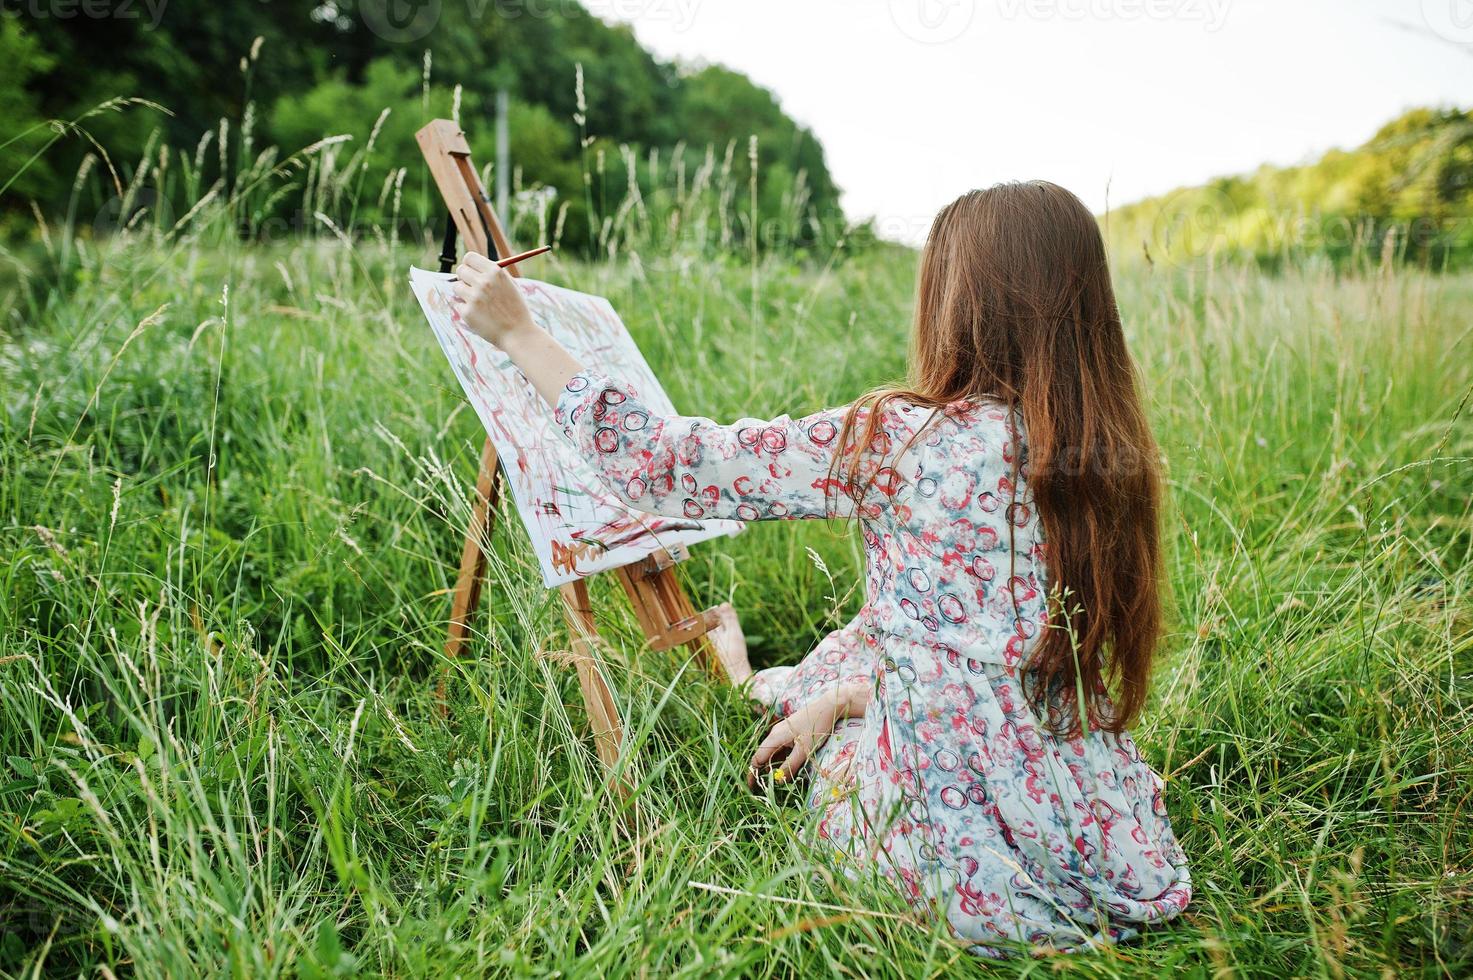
(603, 714)
(472, 572)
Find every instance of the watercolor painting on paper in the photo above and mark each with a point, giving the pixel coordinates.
(576, 525)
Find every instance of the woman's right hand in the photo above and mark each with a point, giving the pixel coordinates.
(489, 301)
(492, 307)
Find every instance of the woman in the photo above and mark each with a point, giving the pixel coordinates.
(969, 746)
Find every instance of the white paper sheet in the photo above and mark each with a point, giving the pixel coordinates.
(576, 525)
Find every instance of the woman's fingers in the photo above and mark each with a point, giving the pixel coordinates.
(778, 739)
(778, 768)
(478, 262)
(783, 752)
(760, 765)
(796, 759)
(770, 753)
(464, 294)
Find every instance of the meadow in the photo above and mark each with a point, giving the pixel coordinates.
(233, 483)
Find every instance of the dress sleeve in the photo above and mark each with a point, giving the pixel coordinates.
(683, 466)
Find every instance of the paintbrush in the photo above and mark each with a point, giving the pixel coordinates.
(514, 259)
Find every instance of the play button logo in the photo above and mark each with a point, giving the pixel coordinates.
(1451, 20)
(932, 21)
(400, 21)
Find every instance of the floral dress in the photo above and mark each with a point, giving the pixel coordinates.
(955, 791)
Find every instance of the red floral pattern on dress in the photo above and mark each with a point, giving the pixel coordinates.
(956, 791)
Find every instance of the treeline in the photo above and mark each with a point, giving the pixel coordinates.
(600, 129)
(1405, 195)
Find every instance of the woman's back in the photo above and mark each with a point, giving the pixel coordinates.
(954, 544)
(962, 794)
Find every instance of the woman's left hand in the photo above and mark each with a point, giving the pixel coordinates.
(490, 303)
(794, 739)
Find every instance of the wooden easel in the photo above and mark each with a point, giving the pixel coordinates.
(663, 610)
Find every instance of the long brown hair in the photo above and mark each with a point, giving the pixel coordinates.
(1014, 303)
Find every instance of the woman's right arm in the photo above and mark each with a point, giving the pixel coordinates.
(669, 464)
(686, 466)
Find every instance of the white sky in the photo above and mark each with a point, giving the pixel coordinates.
(916, 101)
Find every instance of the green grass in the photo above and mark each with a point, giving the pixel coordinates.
(232, 487)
